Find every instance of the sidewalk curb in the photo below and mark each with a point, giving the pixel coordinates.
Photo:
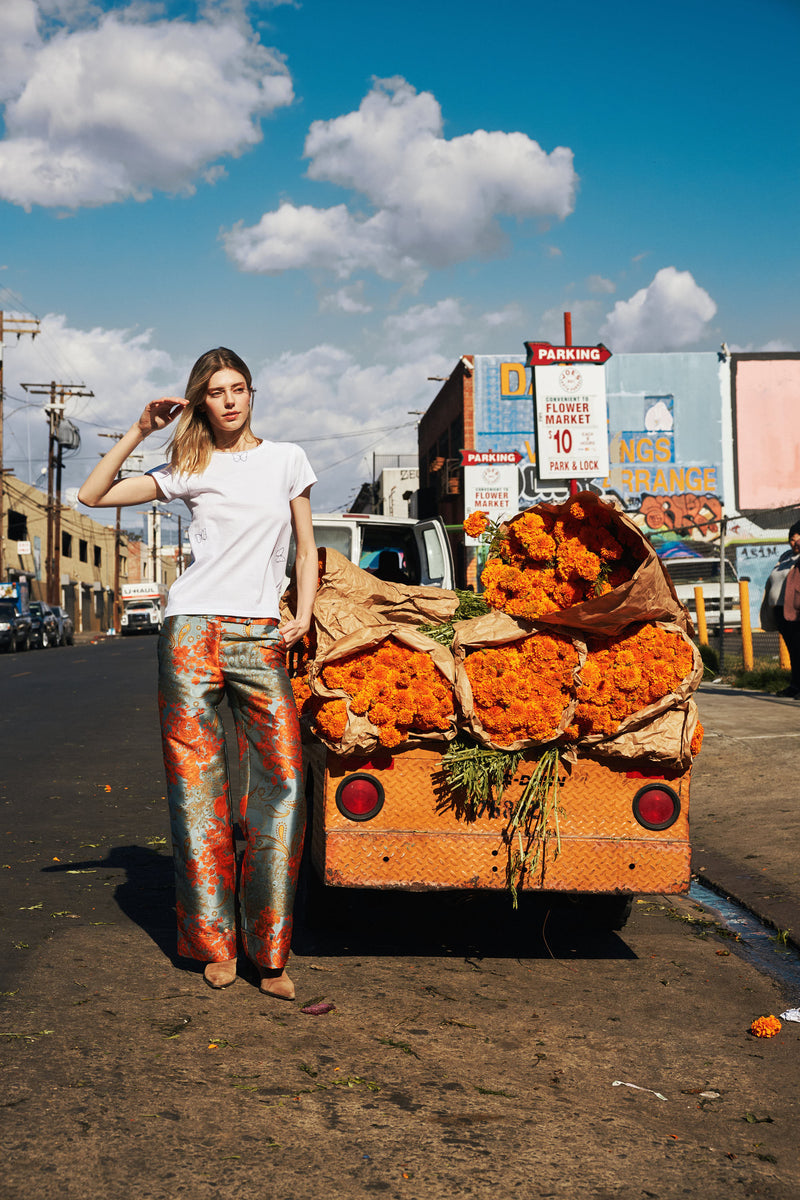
(727, 879)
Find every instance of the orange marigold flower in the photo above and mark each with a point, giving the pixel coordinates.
(697, 740)
(331, 719)
(625, 674)
(765, 1027)
(399, 690)
(520, 691)
(476, 524)
(574, 560)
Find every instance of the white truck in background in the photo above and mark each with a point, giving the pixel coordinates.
(143, 607)
(395, 549)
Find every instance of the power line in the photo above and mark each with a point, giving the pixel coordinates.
(335, 437)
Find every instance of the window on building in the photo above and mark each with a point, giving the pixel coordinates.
(83, 550)
(17, 526)
(66, 544)
(98, 557)
(123, 565)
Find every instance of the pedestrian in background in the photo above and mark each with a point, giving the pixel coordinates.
(780, 608)
(221, 637)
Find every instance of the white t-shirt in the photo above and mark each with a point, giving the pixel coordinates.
(240, 530)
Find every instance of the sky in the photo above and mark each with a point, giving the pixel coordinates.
(353, 195)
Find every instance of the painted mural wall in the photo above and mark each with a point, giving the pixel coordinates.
(665, 424)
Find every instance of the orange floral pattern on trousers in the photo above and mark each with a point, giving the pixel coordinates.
(203, 660)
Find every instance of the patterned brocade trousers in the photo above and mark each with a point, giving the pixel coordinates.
(203, 659)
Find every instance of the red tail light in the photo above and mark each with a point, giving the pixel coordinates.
(360, 797)
(656, 806)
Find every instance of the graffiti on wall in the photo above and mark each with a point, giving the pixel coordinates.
(665, 455)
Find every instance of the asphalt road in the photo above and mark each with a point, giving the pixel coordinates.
(470, 1051)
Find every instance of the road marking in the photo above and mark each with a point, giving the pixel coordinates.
(20, 674)
(755, 737)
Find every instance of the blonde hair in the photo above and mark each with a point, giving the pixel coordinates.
(193, 442)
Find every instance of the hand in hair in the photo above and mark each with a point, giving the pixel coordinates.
(160, 413)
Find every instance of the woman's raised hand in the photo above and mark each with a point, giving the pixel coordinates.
(160, 413)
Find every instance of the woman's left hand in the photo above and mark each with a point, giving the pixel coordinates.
(292, 631)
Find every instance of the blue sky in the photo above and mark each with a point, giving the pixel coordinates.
(353, 195)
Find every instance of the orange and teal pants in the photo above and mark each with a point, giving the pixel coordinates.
(203, 660)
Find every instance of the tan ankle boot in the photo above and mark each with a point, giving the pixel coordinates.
(277, 984)
(220, 974)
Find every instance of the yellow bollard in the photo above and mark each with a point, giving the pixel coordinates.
(747, 633)
(700, 605)
(783, 654)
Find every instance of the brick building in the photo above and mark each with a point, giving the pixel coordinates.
(84, 556)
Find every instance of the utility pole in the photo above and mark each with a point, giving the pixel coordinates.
(56, 441)
(19, 326)
(118, 540)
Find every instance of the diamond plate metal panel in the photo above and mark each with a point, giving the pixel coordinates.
(418, 841)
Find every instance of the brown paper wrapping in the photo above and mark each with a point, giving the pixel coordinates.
(491, 630)
(665, 739)
(349, 599)
(361, 736)
(662, 731)
(648, 596)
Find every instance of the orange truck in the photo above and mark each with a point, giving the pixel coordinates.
(386, 822)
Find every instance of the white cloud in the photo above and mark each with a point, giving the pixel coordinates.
(774, 346)
(585, 316)
(346, 299)
(127, 107)
(671, 312)
(597, 284)
(425, 317)
(323, 396)
(19, 43)
(341, 410)
(509, 315)
(436, 201)
(122, 367)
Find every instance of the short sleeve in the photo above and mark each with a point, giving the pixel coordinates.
(170, 485)
(302, 475)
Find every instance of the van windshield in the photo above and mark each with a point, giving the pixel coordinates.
(390, 554)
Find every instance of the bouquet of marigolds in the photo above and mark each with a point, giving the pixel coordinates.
(634, 696)
(515, 687)
(632, 674)
(384, 686)
(581, 565)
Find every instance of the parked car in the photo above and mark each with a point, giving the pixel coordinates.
(66, 628)
(689, 573)
(44, 626)
(15, 628)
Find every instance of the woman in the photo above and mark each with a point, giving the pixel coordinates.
(780, 608)
(221, 637)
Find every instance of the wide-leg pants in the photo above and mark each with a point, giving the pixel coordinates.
(202, 659)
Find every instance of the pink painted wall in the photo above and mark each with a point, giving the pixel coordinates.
(767, 432)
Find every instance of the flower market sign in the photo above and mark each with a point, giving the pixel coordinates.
(491, 484)
(571, 413)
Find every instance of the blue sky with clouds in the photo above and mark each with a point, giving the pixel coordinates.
(353, 195)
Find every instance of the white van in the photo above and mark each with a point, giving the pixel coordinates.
(689, 573)
(395, 549)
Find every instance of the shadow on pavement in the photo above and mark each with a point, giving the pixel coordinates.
(147, 894)
(348, 922)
